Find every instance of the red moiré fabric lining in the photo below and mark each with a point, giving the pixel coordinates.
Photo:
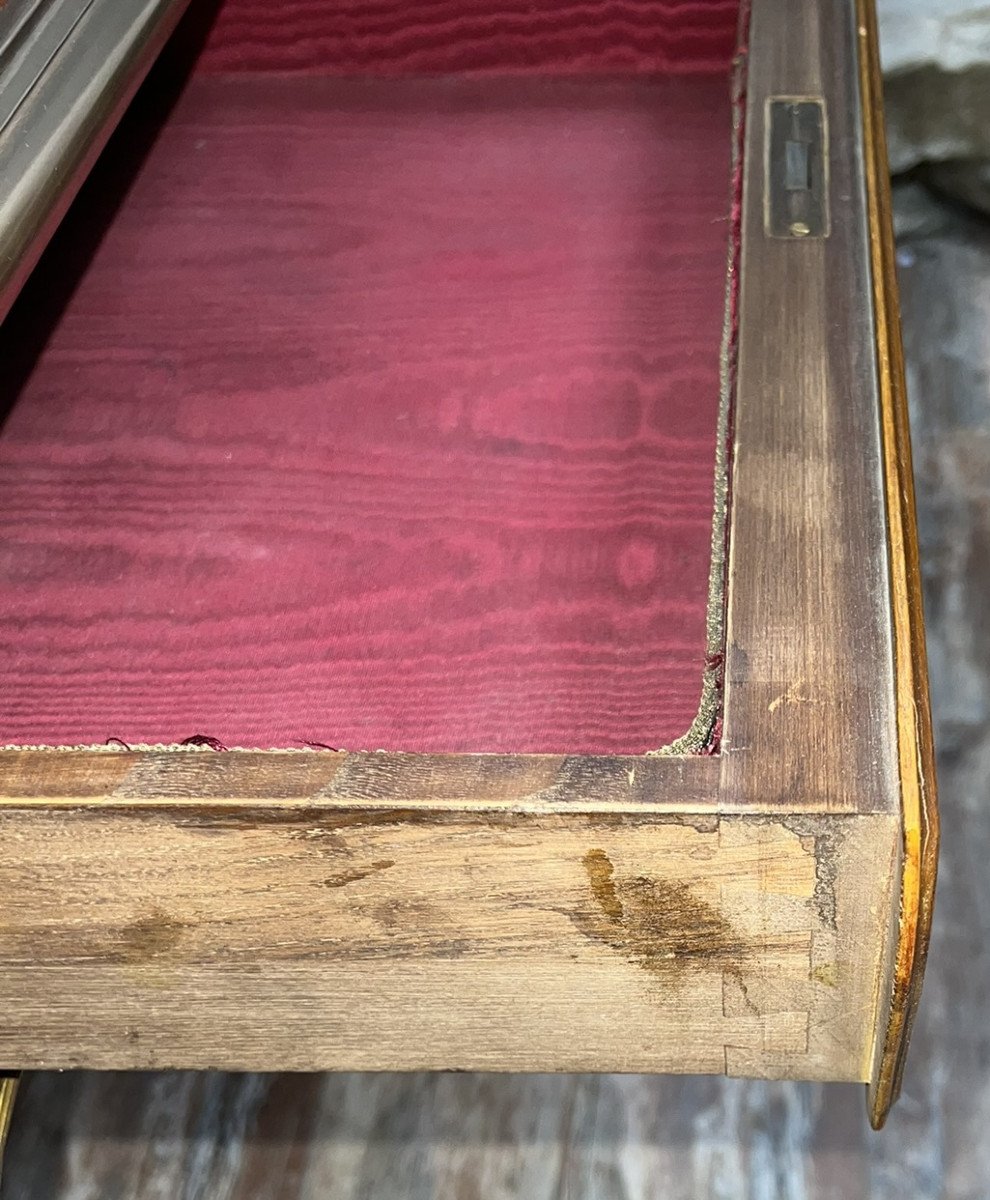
(437, 36)
(384, 416)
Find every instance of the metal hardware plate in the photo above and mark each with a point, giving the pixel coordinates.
(796, 191)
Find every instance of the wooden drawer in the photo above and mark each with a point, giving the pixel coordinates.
(458, 547)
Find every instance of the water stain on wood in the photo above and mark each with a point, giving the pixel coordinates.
(150, 937)
(661, 925)
(601, 876)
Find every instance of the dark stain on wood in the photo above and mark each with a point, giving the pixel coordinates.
(342, 878)
(601, 876)
(150, 937)
(661, 925)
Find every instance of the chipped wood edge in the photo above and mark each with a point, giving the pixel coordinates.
(915, 747)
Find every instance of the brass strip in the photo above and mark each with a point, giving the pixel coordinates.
(916, 757)
(8, 1094)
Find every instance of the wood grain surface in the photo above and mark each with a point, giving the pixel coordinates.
(809, 691)
(327, 937)
(436, 36)
(134, 1137)
(383, 416)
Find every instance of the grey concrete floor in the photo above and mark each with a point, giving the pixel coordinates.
(475, 1137)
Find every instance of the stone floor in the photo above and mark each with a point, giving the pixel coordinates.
(468, 1137)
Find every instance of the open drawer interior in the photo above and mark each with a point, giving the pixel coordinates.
(370, 395)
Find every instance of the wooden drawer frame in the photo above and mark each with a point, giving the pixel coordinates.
(763, 910)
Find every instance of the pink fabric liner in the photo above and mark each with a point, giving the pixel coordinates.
(384, 416)
(383, 37)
